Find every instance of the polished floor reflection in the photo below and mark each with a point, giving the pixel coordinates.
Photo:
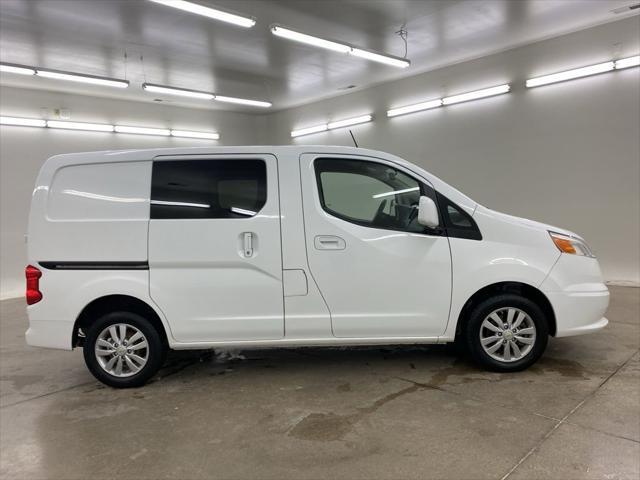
(419, 412)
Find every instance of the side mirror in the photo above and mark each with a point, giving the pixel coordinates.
(428, 213)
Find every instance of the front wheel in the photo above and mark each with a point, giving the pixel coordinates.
(506, 333)
(122, 349)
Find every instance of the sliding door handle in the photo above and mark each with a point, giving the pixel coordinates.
(247, 244)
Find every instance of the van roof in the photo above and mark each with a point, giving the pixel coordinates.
(151, 153)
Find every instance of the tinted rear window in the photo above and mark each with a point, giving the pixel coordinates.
(208, 188)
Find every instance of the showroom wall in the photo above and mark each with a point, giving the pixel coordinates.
(548, 153)
(566, 154)
(24, 149)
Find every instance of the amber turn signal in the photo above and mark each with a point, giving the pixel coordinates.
(564, 245)
(570, 244)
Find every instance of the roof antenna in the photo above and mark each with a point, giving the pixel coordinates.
(353, 138)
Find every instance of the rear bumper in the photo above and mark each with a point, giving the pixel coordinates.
(49, 334)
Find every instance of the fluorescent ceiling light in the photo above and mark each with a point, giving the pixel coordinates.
(142, 130)
(242, 101)
(95, 127)
(75, 77)
(332, 125)
(183, 92)
(239, 20)
(377, 57)
(23, 122)
(339, 47)
(309, 40)
(418, 107)
(628, 62)
(486, 92)
(350, 121)
(16, 69)
(309, 130)
(100, 127)
(570, 74)
(189, 134)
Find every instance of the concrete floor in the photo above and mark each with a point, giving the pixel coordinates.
(338, 413)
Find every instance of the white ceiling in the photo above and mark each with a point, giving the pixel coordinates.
(189, 51)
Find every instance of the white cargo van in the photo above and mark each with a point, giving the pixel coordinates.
(134, 252)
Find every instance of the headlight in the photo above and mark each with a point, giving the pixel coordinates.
(572, 245)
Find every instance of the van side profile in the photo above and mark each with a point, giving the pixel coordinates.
(135, 252)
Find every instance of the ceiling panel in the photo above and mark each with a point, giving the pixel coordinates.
(167, 46)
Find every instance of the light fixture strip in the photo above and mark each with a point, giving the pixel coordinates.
(628, 62)
(476, 94)
(23, 122)
(82, 78)
(61, 75)
(417, 107)
(339, 47)
(101, 127)
(309, 130)
(18, 69)
(349, 122)
(182, 92)
(190, 134)
(377, 57)
(95, 127)
(242, 101)
(332, 125)
(289, 34)
(463, 97)
(142, 130)
(570, 74)
(214, 13)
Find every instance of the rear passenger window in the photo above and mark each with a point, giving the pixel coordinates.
(208, 188)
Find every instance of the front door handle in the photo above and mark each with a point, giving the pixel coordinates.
(329, 242)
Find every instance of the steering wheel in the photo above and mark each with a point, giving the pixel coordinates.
(414, 213)
(380, 209)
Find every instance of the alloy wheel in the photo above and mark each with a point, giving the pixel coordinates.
(122, 350)
(507, 334)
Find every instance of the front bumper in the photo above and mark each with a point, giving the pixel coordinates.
(577, 294)
(579, 313)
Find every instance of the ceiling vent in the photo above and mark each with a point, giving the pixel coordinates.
(626, 9)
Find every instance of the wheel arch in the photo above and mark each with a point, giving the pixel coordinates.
(519, 288)
(114, 303)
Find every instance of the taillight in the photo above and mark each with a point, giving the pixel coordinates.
(33, 284)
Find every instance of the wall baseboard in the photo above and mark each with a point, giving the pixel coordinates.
(623, 283)
(11, 294)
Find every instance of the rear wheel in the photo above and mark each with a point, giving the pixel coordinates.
(122, 349)
(506, 333)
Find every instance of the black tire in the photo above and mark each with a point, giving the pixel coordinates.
(483, 310)
(156, 350)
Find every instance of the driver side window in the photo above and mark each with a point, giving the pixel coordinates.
(369, 194)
